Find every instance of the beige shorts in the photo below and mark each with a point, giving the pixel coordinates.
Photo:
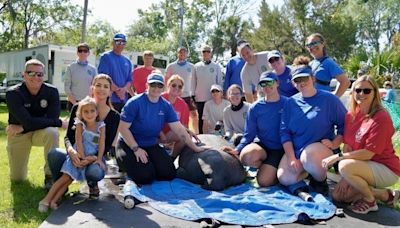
(384, 177)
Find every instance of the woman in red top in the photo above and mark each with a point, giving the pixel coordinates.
(369, 163)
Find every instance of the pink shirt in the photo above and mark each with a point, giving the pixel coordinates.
(181, 109)
(373, 134)
(139, 78)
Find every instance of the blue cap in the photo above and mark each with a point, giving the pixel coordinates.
(274, 53)
(155, 77)
(302, 71)
(120, 36)
(268, 76)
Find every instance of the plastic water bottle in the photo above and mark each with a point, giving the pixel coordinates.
(129, 200)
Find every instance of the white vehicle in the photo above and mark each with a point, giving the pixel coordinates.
(55, 58)
(160, 61)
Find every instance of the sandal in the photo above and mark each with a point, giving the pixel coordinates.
(43, 207)
(393, 198)
(363, 207)
(54, 206)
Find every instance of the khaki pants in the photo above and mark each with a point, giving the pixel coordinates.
(19, 148)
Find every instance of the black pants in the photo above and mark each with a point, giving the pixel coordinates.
(200, 108)
(160, 165)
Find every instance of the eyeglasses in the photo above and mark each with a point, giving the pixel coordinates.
(235, 94)
(266, 83)
(365, 90)
(120, 42)
(206, 51)
(300, 79)
(34, 73)
(83, 51)
(156, 84)
(273, 59)
(175, 85)
(215, 91)
(313, 44)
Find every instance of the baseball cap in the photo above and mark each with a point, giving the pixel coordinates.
(181, 48)
(302, 71)
(216, 87)
(120, 36)
(206, 48)
(274, 53)
(155, 77)
(268, 76)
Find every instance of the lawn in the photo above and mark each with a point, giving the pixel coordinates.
(19, 201)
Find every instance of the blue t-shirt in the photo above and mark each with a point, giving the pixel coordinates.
(119, 68)
(286, 87)
(390, 96)
(325, 69)
(263, 120)
(232, 74)
(307, 120)
(147, 118)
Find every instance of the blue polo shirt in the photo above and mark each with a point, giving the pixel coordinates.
(325, 69)
(147, 118)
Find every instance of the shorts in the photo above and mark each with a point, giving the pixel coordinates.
(384, 177)
(273, 156)
(190, 102)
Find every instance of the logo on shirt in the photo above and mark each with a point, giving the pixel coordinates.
(212, 70)
(90, 72)
(313, 113)
(161, 113)
(189, 69)
(43, 103)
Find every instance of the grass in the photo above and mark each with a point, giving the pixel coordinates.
(19, 201)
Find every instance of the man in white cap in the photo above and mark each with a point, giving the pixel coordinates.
(206, 73)
(119, 68)
(256, 63)
(214, 110)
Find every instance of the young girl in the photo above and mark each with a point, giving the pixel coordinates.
(90, 140)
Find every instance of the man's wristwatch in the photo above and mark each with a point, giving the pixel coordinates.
(135, 148)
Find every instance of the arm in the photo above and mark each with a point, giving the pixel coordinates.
(204, 117)
(219, 76)
(140, 154)
(362, 155)
(183, 135)
(100, 153)
(67, 85)
(79, 141)
(249, 97)
(227, 125)
(228, 73)
(293, 162)
(344, 84)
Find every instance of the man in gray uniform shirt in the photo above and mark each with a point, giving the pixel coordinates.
(79, 75)
(206, 74)
(256, 63)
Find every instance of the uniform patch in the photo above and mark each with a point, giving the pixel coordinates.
(43, 103)
(212, 70)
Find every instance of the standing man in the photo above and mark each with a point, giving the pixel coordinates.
(141, 73)
(233, 69)
(256, 63)
(206, 74)
(185, 69)
(79, 76)
(119, 68)
(34, 111)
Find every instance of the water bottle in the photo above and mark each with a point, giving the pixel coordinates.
(129, 200)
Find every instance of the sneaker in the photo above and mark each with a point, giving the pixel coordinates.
(94, 192)
(48, 182)
(363, 207)
(319, 186)
(43, 207)
(393, 199)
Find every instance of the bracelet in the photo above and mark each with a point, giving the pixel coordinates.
(135, 148)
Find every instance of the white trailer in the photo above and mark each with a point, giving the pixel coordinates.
(55, 58)
(160, 61)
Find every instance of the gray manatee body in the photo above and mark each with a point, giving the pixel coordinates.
(213, 169)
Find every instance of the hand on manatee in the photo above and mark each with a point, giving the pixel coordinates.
(230, 150)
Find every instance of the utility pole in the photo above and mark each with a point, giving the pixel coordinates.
(83, 34)
(181, 13)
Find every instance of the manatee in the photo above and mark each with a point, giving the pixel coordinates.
(213, 169)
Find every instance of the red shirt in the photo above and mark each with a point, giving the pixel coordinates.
(181, 109)
(139, 78)
(373, 134)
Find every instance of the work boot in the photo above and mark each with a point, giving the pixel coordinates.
(94, 192)
(319, 186)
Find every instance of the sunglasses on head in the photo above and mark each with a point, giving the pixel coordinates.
(206, 51)
(176, 85)
(34, 73)
(313, 44)
(156, 84)
(266, 83)
(215, 91)
(83, 50)
(120, 42)
(300, 79)
(273, 59)
(365, 90)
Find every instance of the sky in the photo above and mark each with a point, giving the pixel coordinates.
(122, 13)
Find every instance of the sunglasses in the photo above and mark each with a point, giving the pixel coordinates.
(34, 73)
(120, 43)
(83, 51)
(313, 44)
(156, 84)
(266, 84)
(301, 79)
(365, 90)
(273, 59)
(175, 85)
(215, 91)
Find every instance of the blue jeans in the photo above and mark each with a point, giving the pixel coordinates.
(56, 158)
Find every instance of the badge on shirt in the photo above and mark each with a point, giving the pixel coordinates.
(43, 103)
(211, 70)
(95, 139)
(189, 69)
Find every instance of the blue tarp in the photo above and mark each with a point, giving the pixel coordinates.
(242, 205)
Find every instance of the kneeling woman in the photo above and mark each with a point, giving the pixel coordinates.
(369, 163)
(142, 119)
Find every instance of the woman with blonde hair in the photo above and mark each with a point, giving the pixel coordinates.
(369, 163)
